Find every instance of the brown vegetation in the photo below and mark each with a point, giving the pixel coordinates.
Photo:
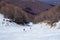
(51, 16)
(26, 12)
(13, 12)
(36, 6)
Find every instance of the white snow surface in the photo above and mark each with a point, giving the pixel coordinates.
(40, 31)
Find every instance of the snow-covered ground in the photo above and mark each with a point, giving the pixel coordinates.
(41, 31)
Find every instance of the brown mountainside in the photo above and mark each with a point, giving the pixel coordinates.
(35, 6)
(51, 16)
(27, 11)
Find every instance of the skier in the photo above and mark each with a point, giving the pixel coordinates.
(23, 29)
(30, 27)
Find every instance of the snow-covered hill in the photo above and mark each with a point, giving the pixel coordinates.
(41, 31)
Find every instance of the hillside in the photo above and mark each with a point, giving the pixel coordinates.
(28, 20)
(36, 6)
(23, 12)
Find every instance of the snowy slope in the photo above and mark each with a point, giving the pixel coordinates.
(13, 31)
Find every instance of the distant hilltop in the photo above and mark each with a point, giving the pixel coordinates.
(54, 2)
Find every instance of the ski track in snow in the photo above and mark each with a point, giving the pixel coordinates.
(13, 31)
